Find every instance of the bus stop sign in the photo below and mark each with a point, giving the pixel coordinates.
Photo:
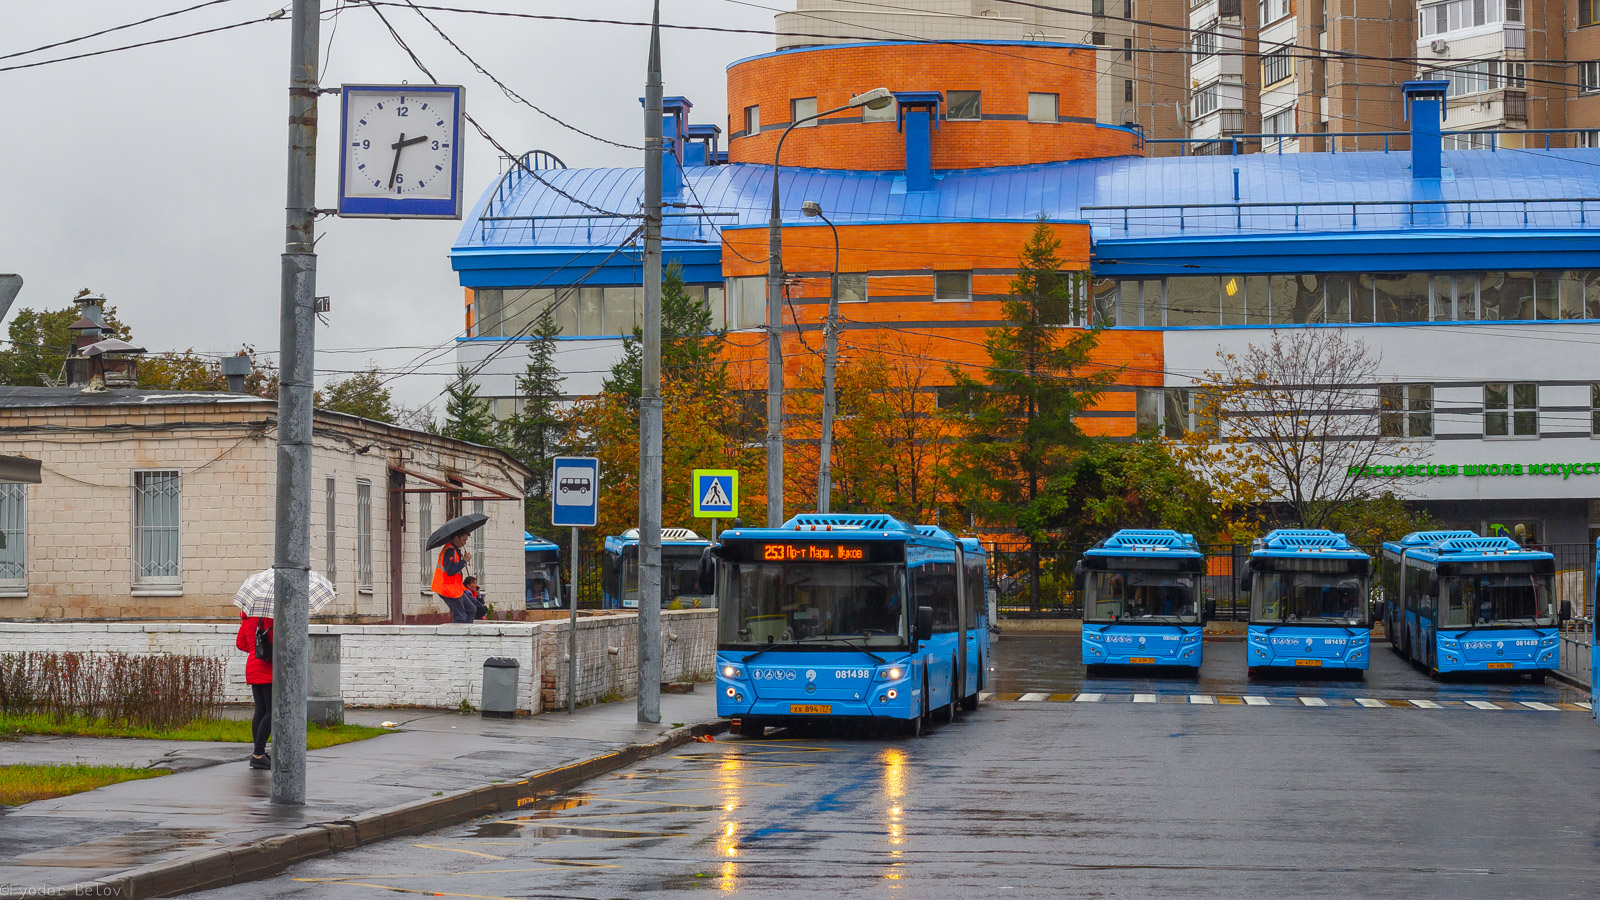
(575, 491)
(715, 493)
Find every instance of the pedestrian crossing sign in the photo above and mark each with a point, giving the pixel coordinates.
(715, 493)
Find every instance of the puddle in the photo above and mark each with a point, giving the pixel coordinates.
(120, 851)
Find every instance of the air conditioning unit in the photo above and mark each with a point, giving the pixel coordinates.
(1438, 46)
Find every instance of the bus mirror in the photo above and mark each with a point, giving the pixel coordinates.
(924, 625)
(1433, 585)
(707, 582)
(1566, 612)
(1079, 576)
(1211, 608)
(1244, 584)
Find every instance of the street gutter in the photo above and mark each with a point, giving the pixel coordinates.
(269, 856)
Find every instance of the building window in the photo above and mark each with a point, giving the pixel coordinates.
(1127, 48)
(952, 286)
(1173, 412)
(13, 538)
(752, 120)
(852, 287)
(330, 529)
(1405, 410)
(1513, 10)
(157, 529)
(1273, 10)
(964, 106)
(1587, 12)
(802, 108)
(1594, 410)
(1280, 122)
(1205, 101)
(1127, 90)
(887, 114)
(1453, 15)
(479, 561)
(364, 535)
(424, 529)
(1205, 43)
(1276, 65)
(1043, 108)
(1097, 7)
(747, 302)
(1511, 409)
(1588, 77)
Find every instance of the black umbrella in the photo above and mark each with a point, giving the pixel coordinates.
(459, 525)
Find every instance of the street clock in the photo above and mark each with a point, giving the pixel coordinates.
(401, 151)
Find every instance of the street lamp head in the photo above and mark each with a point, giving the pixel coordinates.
(877, 98)
(811, 208)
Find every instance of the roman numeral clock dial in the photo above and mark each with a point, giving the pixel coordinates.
(401, 155)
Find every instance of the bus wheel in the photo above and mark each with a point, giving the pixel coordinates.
(1538, 677)
(955, 694)
(969, 702)
(751, 730)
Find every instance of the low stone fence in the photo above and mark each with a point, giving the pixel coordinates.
(422, 665)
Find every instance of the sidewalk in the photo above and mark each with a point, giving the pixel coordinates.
(213, 825)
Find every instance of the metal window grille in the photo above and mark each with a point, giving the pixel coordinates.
(13, 535)
(424, 529)
(364, 535)
(330, 528)
(477, 543)
(157, 528)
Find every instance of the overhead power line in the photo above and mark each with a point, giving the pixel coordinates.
(114, 28)
(150, 43)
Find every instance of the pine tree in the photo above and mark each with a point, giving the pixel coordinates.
(1021, 434)
(689, 344)
(537, 433)
(466, 415)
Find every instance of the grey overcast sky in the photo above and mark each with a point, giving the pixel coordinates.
(156, 175)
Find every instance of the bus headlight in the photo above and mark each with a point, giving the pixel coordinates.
(891, 693)
(730, 692)
(892, 673)
(731, 672)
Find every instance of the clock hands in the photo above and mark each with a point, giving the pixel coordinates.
(399, 145)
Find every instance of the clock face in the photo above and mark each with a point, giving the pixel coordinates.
(400, 149)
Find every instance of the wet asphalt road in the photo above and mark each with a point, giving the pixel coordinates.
(1044, 799)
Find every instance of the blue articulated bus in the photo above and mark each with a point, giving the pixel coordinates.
(1457, 602)
(681, 550)
(542, 567)
(1139, 602)
(845, 616)
(1308, 602)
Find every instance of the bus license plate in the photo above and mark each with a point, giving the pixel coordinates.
(809, 709)
(1500, 665)
(1142, 660)
(1308, 662)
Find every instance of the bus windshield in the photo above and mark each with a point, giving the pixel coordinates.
(680, 576)
(807, 603)
(1143, 597)
(1308, 598)
(1509, 601)
(543, 586)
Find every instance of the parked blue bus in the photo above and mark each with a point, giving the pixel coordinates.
(681, 550)
(542, 566)
(1308, 602)
(1457, 602)
(841, 616)
(1140, 605)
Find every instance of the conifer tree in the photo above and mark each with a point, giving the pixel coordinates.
(466, 415)
(538, 432)
(689, 344)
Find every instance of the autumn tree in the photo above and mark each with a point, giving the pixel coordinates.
(40, 341)
(363, 394)
(1019, 421)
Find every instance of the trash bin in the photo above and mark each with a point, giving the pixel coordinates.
(499, 687)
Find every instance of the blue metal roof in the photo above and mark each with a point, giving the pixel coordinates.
(1147, 214)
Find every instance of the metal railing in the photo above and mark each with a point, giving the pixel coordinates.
(1235, 142)
(1577, 639)
(1324, 215)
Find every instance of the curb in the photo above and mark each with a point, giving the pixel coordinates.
(1568, 680)
(268, 856)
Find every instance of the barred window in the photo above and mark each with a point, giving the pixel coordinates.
(364, 535)
(13, 537)
(330, 528)
(424, 529)
(157, 528)
(478, 559)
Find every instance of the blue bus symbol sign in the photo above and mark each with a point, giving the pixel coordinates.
(575, 491)
(715, 493)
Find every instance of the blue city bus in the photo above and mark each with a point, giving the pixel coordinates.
(1308, 602)
(841, 616)
(542, 567)
(1140, 606)
(1458, 602)
(681, 550)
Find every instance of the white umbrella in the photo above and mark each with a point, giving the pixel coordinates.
(255, 595)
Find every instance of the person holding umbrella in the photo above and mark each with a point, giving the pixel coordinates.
(447, 572)
(255, 602)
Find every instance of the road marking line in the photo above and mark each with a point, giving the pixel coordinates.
(1202, 698)
(1481, 704)
(1251, 700)
(1313, 701)
(1146, 698)
(986, 695)
(458, 850)
(1032, 698)
(1231, 701)
(1090, 698)
(1542, 707)
(1569, 707)
(1584, 704)
(1398, 704)
(1425, 704)
(1006, 697)
(1061, 698)
(1370, 703)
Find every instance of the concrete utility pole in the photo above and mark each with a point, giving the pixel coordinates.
(775, 351)
(291, 558)
(830, 358)
(650, 398)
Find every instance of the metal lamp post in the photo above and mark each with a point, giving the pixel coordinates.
(830, 357)
(877, 98)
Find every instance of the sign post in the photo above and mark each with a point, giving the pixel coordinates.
(576, 503)
(714, 493)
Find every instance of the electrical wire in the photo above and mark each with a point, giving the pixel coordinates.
(114, 28)
(149, 43)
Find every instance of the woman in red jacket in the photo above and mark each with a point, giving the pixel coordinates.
(258, 674)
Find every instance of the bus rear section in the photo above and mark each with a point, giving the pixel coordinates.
(681, 551)
(1308, 603)
(1141, 607)
(837, 617)
(1474, 604)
